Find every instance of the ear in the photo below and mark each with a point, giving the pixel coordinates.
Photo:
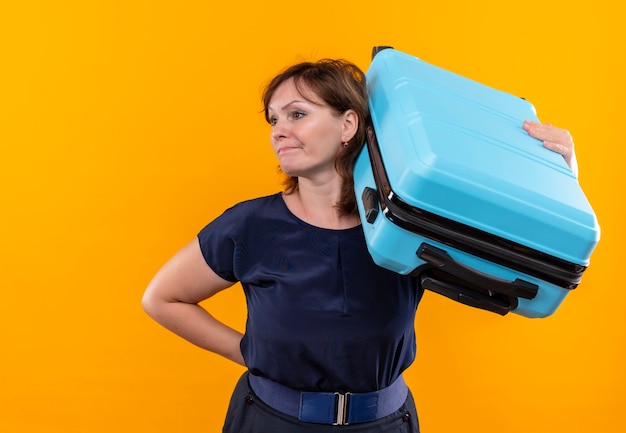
(350, 125)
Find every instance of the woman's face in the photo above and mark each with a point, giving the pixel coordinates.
(306, 132)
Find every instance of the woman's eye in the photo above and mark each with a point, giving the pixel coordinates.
(298, 114)
(272, 120)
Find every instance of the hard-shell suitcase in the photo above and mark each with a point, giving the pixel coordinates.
(450, 188)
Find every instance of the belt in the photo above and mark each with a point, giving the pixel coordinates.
(330, 407)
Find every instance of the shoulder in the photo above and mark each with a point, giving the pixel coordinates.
(240, 222)
(248, 212)
(260, 206)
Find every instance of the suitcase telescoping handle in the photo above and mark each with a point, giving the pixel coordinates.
(440, 259)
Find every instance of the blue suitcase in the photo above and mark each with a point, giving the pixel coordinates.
(451, 189)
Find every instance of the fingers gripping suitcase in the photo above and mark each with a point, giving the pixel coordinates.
(451, 189)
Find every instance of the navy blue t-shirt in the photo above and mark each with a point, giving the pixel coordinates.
(321, 315)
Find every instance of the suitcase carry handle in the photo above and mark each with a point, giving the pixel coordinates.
(440, 259)
(466, 296)
(370, 204)
(378, 48)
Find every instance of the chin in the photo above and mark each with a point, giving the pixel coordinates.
(289, 170)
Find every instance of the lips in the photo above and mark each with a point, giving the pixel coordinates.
(285, 149)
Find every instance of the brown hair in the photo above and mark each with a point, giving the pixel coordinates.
(341, 85)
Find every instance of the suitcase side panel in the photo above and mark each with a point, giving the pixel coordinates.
(467, 167)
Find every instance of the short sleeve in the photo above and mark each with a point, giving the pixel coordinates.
(217, 243)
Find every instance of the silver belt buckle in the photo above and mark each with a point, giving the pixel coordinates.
(341, 408)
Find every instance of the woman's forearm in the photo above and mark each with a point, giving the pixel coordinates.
(198, 326)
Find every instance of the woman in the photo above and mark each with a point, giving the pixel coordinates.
(328, 333)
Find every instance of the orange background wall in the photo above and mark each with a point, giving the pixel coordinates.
(125, 126)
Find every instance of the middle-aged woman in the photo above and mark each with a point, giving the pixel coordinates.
(328, 332)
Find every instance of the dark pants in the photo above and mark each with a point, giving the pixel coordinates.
(247, 414)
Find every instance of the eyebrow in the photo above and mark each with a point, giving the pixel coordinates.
(287, 105)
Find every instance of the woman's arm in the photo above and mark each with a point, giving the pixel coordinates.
(172, 299)
(557, 139)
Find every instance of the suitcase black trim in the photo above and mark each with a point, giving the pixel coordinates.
(469, 239)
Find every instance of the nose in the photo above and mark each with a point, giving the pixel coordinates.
(280, 130)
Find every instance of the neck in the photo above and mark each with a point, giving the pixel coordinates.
(317, 205)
